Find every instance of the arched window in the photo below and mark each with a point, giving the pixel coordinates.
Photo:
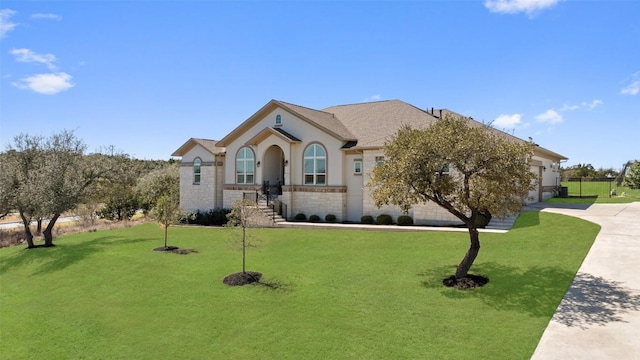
(244, 166)
(197, 162)
(315, 165)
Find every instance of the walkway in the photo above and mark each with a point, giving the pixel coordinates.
(599, 316)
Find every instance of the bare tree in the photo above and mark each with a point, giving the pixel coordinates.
(244, 214)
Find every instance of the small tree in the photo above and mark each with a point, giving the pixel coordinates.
(470, 169)
(244, 214)
(632, 179)
(167, 212)
(160, 194)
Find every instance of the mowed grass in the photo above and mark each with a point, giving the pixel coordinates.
(597, 192)
(328, 294)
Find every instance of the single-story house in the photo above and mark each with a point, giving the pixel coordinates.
(317, 162)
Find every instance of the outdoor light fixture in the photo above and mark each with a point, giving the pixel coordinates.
(286, 162)
(258, 164)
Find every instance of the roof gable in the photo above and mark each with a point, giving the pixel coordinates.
(271, 131)
(209, 145)
(319, 119)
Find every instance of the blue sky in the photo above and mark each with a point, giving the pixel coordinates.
(145, 76)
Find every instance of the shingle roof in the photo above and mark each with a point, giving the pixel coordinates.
(209, 145)
(373, 123)
(325, 120)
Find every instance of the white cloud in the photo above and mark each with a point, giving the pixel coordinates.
(48, 84)
(583, 105)
(566, 107)
(550, 116)
(26, 55)
(47, 16)
(529, 7)
(372, 98)
(592, 105)
(5, 24)
(508, 121)
(631, 89)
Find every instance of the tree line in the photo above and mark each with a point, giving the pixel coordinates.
(629, 175)
(42, 178)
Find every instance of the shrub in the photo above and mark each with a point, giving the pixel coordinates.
(330, 218)
(384, 219)
(300, 217)
(314, 218)
(405, 220)
(215, 217)
(366, 219)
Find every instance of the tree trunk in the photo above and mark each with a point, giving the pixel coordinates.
(48, 236)
(166, 227)
(38, 226)
(28, 236)
(471, 255)
(244, 247)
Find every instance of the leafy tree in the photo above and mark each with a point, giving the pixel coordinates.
(167, 212)
(632, 179)
(48, 177)
(7, 186)
(158, 182)
(118, 194)
(243, 215)
(159, 192)
(467, 168)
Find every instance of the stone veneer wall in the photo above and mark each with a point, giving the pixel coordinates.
(432, 214)
(197, 196)
(233, 193)
(315, 200)
(422, 214)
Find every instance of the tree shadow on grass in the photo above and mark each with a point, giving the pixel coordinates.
(593, 300)
(539, 291)
(62, 255)
(536, 291)
(274, 284)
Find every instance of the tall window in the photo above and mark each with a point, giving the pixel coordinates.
(315, 165)
(244, 166)
(196, 170)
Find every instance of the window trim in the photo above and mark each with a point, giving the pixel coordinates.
(197, 171)
(315, 159)
(357, 167)
(245, 172)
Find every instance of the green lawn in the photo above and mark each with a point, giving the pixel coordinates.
(598, 192)
(330, 294)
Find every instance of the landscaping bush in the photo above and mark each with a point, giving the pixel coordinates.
(314, 218)
(384, 219)
(330, 218)
(405, 220)
(300, 217)
(366, 219)
(213, 217)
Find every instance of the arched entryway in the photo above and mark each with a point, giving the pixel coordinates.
(273, 169)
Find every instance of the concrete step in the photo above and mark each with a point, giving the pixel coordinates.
(502, 224)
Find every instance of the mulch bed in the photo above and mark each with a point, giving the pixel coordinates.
(467, 282)
(242, 278)
(175, 250)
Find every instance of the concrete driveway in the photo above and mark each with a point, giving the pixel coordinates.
(599, 316)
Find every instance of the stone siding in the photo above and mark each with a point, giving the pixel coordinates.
(201, 196)
(319, 201)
